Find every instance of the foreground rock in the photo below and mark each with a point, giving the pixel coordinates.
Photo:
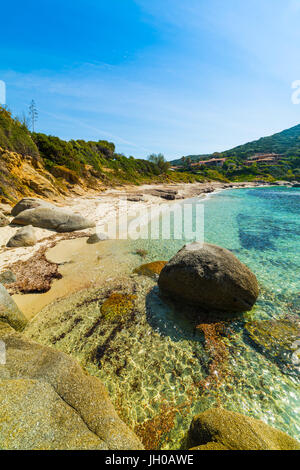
(48, 402)
(53, 218)
(9, 311)
(219, 429)
(25, 236)
(211, 277)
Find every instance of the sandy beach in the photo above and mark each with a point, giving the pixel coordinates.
(101, 209)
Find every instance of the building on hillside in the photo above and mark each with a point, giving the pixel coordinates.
(269, 160)
(265, 156)
(210, 163)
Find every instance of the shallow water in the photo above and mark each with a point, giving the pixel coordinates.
(160, 366)
(262, 227)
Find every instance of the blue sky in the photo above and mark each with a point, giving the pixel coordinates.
(171, 76)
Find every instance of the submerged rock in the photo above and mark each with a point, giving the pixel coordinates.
(276, 340)
(117, 305)
(211, 277)
(49, 402)
(9, 311)
(53, 218)
(29, 203)
(234, 431)
(151, 269)
(25, 236)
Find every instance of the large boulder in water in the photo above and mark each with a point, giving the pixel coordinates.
(49, 402)
(53, 218)
(9, 311)
(220, 429)
(210, 277)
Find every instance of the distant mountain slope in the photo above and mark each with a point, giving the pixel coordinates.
(286, 142)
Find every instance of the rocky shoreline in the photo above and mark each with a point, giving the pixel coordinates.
(115, 333)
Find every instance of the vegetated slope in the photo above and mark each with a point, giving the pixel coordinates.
(285, 143)
(38, 164)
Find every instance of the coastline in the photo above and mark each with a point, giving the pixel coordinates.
(74, 262)
(99, 209)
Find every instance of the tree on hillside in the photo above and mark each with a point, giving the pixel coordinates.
(188, 163)
(160, 161)
(33, 114)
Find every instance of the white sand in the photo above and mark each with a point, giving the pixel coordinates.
(101, 209)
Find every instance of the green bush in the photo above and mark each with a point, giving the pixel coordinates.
(14, 136)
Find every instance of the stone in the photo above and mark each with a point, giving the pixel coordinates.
(136, 198)
(53, 218)
(96, 238)
(25, 236)
(9, 311)
(234, 431)
(210, 277)
(48, 402)
(7, 277)
(5, 209)
(4, 221)
(117, 306)
(29, 203)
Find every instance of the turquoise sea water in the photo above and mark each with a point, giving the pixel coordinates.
(162, 365)
(261, 227)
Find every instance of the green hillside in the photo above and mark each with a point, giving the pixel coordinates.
(285, 143)
(90, 164)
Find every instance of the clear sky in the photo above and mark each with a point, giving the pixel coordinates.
(173, 76)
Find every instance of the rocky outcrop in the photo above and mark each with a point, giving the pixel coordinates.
(25, 236)
(49, 402)
(210, 277)
(220, 429)
(53, 218)
(169, 194)
(24, 176)
(9, 311)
